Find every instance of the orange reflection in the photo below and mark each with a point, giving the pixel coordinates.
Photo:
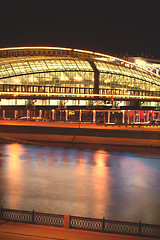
(101, 183)
(93, 171)
(83, 183)
(15, 174)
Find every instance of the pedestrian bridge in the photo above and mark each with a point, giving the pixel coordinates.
(65, 73)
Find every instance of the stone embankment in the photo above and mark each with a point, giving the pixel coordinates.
(84, 133)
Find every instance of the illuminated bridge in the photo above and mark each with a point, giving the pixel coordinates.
(74, 85)
(65, 73)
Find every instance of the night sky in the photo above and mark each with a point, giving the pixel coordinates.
(130, 28)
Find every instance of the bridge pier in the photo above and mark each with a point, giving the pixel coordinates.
(123, 117)
(66, 115)
(109, 116)
(4, 111)
(53, 114)
(94, 116)
(15, 114)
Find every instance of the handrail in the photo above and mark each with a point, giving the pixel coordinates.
(81, 223)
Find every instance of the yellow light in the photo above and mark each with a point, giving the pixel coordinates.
(80, 94)
(41, 47)
(64, 77)
(83, 51)
(71, 113)
(93, 54)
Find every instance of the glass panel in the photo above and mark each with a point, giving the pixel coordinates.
(75, 72)
(83, 65)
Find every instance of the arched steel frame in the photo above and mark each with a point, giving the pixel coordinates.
(72, 71)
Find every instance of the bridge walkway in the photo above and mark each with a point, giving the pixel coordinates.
(19, 231)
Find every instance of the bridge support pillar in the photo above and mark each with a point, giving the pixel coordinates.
(123, 117)
(147, 116)
(109, 116)
(128, 119)
(28, 113)
(153, 114)
(139, 116)
(80, 115)
(15, 114)
(134, 116)
(40, 114)
(4, 111)
(94, 116)
(66, 115)
(53, 114)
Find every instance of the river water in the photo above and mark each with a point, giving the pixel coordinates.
(89, 181)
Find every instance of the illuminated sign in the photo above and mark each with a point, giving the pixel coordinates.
(71, 113)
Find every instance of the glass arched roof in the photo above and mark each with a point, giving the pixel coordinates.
(31, 60)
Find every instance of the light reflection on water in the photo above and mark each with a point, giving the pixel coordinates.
(92, 182)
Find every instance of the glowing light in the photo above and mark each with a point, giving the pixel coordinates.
(14, 152)
(27, 48)
(102, 176)
(93, 55)
(78, 77)
(80, 95)
(64, 77)
(83, 51)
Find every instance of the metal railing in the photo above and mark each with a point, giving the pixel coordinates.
(116, 227)
(32, 217)
(81, 223)
(75, 90)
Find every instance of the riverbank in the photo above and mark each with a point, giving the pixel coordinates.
(81, 133)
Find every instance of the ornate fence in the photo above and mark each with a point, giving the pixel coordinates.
(81, 223)
(32, 217)
(116, 227)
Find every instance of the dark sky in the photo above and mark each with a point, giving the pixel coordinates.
(118, 28)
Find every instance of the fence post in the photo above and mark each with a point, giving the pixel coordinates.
(103, 225)
(67, 221)
(140, 228)
(33, 212)
(1, 213)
